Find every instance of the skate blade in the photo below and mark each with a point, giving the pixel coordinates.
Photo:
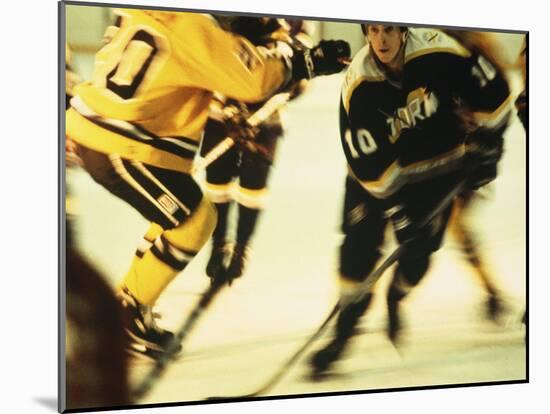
(141, 353)
(142, 343)
(321, 376)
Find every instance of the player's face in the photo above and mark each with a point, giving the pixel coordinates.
(385, 41)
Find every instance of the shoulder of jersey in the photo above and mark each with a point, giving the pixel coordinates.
(362, 69)
(166, 17)
(422, 42)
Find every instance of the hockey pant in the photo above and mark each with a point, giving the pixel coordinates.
(182, 220)
(364, 225)
(252, 169)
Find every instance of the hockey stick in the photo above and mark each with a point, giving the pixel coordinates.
(160, 365)
(362, 290)
(366, 286)
(273, 104)
(288, 364)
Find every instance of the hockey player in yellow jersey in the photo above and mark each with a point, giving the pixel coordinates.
(138, 123)
(71, 78)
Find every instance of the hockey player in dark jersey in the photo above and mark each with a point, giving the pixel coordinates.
(137, 126)
(521, 104)
(521, 101)
(249, 163)
(419, 113)
(468, 239)
(487, 45)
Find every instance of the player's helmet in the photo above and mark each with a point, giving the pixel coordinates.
(252, 28)
(223, 20)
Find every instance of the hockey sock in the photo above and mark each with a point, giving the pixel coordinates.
(471, 251)
(221, 226)
(409, 272)
(350, 315)
(159, 265)
(468, 243)
(147, 241)
(144, 245)
(246, 224)
(170, 253)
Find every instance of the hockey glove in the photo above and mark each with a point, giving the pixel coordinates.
(328, 57)
(409, 231)
(402, 225)
(239, 129)
(484, 152)
(245, 135)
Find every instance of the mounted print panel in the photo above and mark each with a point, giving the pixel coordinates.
(263, 207)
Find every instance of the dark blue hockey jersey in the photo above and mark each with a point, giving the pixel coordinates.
(413, 130)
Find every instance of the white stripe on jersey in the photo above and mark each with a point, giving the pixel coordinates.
(116, 161)
(143, 169)
(78, 104)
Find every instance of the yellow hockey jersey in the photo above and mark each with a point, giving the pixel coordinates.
(152, 85)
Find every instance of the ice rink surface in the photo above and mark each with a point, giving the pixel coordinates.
(290, 284)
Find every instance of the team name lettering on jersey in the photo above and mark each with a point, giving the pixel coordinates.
(420, 105)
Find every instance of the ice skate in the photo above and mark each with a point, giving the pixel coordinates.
(216, 261)
(146, 336)
(238, 262)
(346, 327)
(322, 360)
